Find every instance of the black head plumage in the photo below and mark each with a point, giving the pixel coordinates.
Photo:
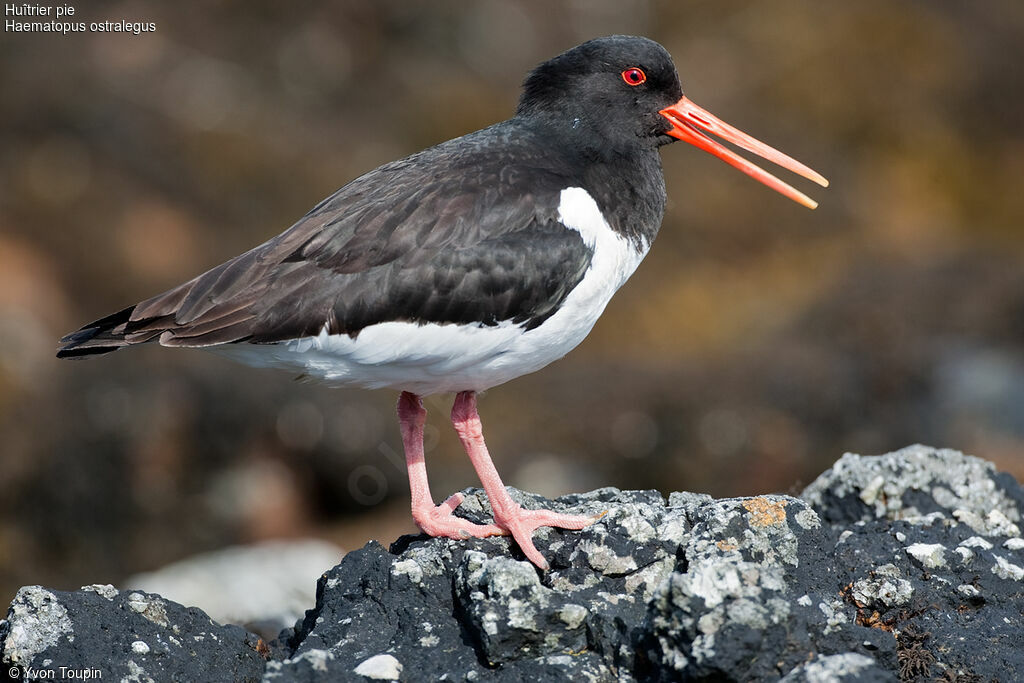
(609, 90)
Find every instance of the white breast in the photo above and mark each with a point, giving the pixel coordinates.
(433, 358)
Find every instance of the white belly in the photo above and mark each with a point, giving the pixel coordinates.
(433, 358)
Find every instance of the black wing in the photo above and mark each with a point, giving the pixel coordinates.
(459, 233)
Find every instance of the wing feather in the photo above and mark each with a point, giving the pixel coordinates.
(403, 242)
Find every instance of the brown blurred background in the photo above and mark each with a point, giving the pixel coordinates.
(758, 342)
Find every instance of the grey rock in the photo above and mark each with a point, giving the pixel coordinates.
(117, 635)
(265, 587)
(512, 613)
(908, 565)
(845, 668)
(917, 481)
(578, 621)
(380, 668)
(735, 612)
(883, 589)
(37, 621)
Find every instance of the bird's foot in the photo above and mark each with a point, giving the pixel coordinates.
(521, 523)
(440, 520)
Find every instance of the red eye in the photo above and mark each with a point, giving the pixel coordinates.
(634, 76)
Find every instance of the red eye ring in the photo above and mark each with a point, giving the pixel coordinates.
(634, 76)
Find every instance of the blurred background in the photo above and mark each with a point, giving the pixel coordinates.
(758, 342)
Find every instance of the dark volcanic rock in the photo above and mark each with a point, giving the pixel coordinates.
(99, 633)
(476, 608)
(908, 566)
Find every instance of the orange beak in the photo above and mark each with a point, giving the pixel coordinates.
(691, 123)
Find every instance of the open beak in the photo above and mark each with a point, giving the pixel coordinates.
(691, 123)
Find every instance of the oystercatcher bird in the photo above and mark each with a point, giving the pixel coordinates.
(462, 266)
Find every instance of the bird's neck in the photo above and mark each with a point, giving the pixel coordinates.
(630, 190)
(623, 177)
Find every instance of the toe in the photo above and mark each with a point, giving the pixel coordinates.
(468, 529)
(439, 521)
(539, 518)
(451, 502)
(523, 538)
(522, 523)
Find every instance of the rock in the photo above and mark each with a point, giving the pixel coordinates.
(99, 632)
(915, 482)
(930, 555)
(265, 587)
(844, 668)
(907, 566)
(380, 668)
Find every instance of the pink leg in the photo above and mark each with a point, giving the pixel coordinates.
(508, 514)
(434, 520)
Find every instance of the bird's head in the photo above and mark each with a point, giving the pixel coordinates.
(622, 92)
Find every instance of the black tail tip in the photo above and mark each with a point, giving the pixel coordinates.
(80, 352)
(84, 343)
(102, 336)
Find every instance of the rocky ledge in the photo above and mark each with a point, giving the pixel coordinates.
(907, 566)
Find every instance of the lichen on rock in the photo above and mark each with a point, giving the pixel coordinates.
(905, 564)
